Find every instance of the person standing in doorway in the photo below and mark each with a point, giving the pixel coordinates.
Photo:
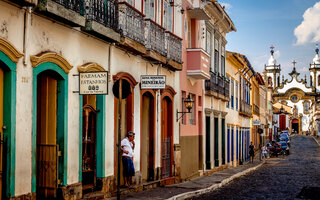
(251, 152)
(127, 158)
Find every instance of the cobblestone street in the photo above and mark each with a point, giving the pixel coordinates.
(279, 178)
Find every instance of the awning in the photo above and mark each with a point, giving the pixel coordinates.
(198, 13)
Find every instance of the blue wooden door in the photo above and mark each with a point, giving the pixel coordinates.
(232, 143)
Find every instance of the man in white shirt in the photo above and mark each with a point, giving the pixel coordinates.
(127, 158)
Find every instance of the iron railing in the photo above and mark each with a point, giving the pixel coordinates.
(75, 5)
(131, 23)
(245, 108)
(174, 47)
(218, 84)
(103, 11)
(155, 37)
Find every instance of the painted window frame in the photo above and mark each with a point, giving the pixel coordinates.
(167, 19)
(232, 94)
(149, 9)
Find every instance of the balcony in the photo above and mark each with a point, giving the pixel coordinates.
(131, 27)
(174, 50)
(102, 19)
(70, 12)
(256, 109)
(218, 87)
(25, 2)
(198, 62)
(245, 109)
(155, 41)
(98, 17)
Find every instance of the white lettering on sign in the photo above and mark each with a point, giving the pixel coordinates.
(93, 83)
(153, 82)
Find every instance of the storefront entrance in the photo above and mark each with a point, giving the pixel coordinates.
(147, 136)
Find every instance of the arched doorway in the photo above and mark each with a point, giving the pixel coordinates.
(167, 132)
(147, 135)
(9, 56)
(127, 114)
(295, 125)
(49, 124)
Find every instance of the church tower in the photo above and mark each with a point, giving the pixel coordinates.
(315, 71)
(272, 71)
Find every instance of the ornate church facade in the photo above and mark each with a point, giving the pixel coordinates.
(302, 97)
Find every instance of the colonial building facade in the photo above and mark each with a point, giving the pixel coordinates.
(59, 144)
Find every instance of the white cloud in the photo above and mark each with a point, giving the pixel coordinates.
(305, 69)
(309, 29)
(226, 6)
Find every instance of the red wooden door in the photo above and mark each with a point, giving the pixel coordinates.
(166, 138)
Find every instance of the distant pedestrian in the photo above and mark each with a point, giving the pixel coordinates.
(251, 152)
(264, 152)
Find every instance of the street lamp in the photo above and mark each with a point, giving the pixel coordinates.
(188, 102)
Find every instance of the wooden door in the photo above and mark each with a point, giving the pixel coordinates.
(1, 132)
(208, 156)
(166, 138)
(89, 147)
(47, 148)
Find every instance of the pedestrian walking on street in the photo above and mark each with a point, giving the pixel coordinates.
(251, 152)
(264, 152)
(127, 158)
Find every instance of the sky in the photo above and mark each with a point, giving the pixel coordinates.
(291, 26)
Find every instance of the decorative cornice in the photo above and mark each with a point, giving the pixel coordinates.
(90, 67)
(51, 57)
(10, 51)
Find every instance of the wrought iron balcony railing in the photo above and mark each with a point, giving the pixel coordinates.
(174, 47)
(103, 11)
(245, 108)
(256, 109)
(155, 37)
(218, 84)
(75, 5)
(131, 23)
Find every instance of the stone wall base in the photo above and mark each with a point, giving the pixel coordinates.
(70, 192)
(29, 196)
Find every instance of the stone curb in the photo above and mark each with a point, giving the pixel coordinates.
(316, 140)
(214, 186)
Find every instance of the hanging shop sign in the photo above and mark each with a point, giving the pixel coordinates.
(256, 122)
(92, 83)
(153, 82)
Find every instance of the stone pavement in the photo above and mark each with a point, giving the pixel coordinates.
(196, 186)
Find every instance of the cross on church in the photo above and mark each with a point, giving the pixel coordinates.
(294, 63)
